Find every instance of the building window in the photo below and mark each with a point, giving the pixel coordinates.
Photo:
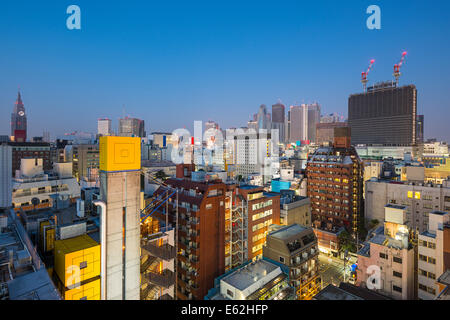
(422, 258)
(431, 260)
(398, 289)
(209, 206)
(83, 265)
(397, 260)
(383, 255)
(397, 274)
(281, 259)
(230, 293)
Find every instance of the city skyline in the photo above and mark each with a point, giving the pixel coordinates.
(158, 61)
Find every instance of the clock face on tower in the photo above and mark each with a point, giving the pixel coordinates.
(21, 113)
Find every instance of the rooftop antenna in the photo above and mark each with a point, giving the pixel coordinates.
(365, 74)
(397, 67)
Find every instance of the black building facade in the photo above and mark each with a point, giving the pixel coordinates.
(384, 115)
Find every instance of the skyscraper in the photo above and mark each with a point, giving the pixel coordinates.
(419, 128)
(278, 119)
(131, 127)
(297, 117)
(104, 127)
(313, 120)
(384, 115)
(262, 118)
(19, 120)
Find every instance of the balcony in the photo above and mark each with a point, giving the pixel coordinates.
(147, 263)
(165, 252)
(164, 279)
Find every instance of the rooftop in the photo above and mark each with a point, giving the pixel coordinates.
(33, 286)
(332, 292)
(248, 275)
(287, 232)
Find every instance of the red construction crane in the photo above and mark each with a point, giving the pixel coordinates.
(365, 74)
(397, 67)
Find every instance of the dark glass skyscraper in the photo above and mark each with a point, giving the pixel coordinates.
(384, 115)
(19, 119)
(278, 120)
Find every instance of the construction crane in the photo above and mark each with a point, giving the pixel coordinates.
(365, 74)
(397, 67)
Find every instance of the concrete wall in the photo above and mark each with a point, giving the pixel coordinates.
(121, 192)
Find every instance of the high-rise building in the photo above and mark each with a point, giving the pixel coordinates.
(131, 127)
(302, 122)
(262, 118)
(201, 234)
(335, 188)
(19, 121)
(325, 131)
(211, 125)
(313, 120)
(120, 181)
(85, 157)
(297, 123)
(384, 115)
(278, 120)
(104, 127)
(419, 128)
(5, 175)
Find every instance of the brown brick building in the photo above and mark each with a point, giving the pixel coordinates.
(35, 150)
(201, 234)
(335, 186)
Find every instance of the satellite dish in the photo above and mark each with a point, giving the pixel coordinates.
(35, 201)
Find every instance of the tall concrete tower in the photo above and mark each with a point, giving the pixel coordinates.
(120, 164)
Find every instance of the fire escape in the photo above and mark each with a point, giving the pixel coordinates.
(158, 267)
(238, 232)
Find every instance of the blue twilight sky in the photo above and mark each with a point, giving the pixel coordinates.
(173, 62)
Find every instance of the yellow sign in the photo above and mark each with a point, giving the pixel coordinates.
(120, 153)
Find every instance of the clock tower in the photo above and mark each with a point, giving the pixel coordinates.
(19, 121)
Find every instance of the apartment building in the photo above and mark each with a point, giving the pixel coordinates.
(200, 216)
(431, 254)
(294, 209)
(85, 157)
(386, 261)
(335, 186)
(296, 248)
(260, 210)
(420, 200)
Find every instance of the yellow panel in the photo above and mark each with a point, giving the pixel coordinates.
(77, 259)
(87, 291)
(120, 153)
